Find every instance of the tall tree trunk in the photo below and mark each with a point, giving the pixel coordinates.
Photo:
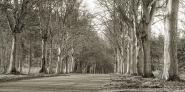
(2, 57)
(170, 71)
(5, 60)
(146, 49)
(30, 58)
(131, 51)
(67, 64)
(58, 61)
(131, 59)
(72, 60)
(118, 61)
(43, 65)
(149, 8)
(140, 59)
(51, 56)
(72, 64)
(115, 66)
(135, 56)
(139, 51)
(134, 52)
(95, 69)
(122, 60)
(22, 57)
(21, 64)
(128, 59)
(62, 64)
(12, 68)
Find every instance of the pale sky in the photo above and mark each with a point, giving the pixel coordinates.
(93, 7)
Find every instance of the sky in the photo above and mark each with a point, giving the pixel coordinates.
(157, 29)
(91, 5)
(93, 8)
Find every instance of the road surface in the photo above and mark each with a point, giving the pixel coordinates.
(72, 83)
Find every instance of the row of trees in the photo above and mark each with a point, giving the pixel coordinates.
(54, 36)
(128, 30)
(58, 37)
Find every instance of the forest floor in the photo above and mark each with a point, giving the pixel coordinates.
(93, 83)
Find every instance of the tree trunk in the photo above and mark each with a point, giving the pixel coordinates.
(72, 64)
(58, 61)
(140, 59)
(170, 71)
(118, 61)
(43, 65)
(20, 64)
(6, 57)
(122, 60)
(128, 59)
(131, 52)
(67, 64)
(146, 49)
(30, 58)
(95, 69)
(72, 60)
(12, 68)
(22, 57)
(134, 51)
(146, 36)
(149, 7)
(51, 56)
(2, 57)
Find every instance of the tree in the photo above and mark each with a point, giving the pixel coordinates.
(44, 14)
(149, 7)
(170, 71)
(133, 31)
(16, 13)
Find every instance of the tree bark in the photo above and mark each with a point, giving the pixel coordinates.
(22, 57)
(2, 57)
(51, 56)
(148, 14)
(118, 61)
(140, 59)
(170, 71)
(146, 49)
(30, 58)
(43, 64)
(122, 60)
(134, 51)
(131, 51)
(12, 69)
(58, 61)
(128, 59)
(67, 64)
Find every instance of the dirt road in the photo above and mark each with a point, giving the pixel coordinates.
(72, 83)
